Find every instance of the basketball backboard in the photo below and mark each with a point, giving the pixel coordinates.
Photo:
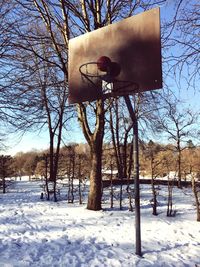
(134, 43)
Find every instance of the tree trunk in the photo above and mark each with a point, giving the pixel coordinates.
(115, 140)
(179, 164)
(179, 170)
(198, 216)
(154, 200)
(196, 191)
(4, 185)
(169, 203)
(94, 197)
(111, 187)
(79, 180)
(153, 188)
(51, 158)
(130, 163)
(95, 141)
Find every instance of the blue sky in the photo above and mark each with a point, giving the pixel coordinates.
(40, 141)
(27, 142)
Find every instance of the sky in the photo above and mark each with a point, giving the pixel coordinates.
(40, 141)
(28, 142)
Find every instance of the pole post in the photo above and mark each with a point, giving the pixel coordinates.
(136, 176)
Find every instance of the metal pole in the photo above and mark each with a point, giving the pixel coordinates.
(136, 176)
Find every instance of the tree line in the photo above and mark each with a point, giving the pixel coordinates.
(156, 159)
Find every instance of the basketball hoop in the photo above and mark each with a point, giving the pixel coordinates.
(104, 72)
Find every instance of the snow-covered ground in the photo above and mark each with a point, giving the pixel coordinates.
(39, 233)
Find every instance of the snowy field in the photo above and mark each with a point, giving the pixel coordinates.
(39, 233)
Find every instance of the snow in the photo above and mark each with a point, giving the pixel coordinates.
(35, 232)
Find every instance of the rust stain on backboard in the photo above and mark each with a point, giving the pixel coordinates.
(133, 42)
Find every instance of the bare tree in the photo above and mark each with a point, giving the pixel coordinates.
(181, 36)
(152, 155)
(5, 170)
(120, 127)
(167, 166)
(196, 191)
(6, 26)
(36, 87)
(178, 126)
(194, 154)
